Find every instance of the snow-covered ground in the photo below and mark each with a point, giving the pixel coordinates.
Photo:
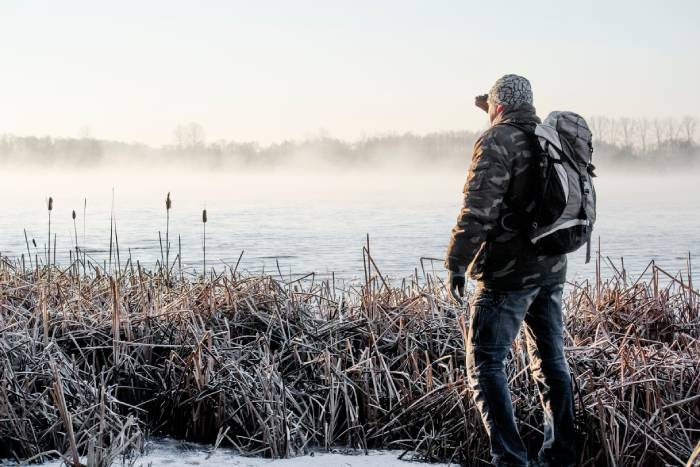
(223, 458)
(170, 453)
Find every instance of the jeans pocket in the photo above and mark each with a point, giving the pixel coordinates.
(484, 332)
(488, 320)
(487, 298)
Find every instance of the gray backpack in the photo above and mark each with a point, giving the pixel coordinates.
(566, 205)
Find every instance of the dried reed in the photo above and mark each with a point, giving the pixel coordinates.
(277, 368)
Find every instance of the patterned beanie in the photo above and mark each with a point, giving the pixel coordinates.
(511, 91)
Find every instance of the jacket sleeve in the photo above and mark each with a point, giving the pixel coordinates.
(486, 186)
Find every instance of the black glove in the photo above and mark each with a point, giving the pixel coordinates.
(456, 281)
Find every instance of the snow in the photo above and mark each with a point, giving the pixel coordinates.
(170, 453)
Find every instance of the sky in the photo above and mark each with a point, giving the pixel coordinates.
(269, 71)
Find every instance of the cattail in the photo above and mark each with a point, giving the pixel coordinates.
(75, 231)
(48, 258)
(168, 205)
(204, 241)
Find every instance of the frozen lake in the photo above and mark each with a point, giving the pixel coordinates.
(317, 222)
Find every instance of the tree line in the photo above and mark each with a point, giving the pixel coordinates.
(658, 142)
(620, 141)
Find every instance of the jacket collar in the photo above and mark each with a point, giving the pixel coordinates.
(524, 113)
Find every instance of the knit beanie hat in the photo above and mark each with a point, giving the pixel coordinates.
(511, 91)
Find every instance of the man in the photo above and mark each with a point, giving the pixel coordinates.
(514, 282)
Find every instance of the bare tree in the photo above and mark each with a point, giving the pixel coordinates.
(189, 135)
(594, 125)
(658, 132)
(671, 130)
(626, 129)
(643, 128)
(688, 124)
(613, 131)
(603, 125)
(179, 136)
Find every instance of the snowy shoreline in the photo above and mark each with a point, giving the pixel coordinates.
(173, 453)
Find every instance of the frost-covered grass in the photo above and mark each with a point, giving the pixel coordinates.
(93, 363)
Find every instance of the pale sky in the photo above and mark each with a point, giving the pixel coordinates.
(270, 71)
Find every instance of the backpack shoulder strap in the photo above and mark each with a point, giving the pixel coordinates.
(530, 132)
(525, 219)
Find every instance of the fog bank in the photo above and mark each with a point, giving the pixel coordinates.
(670, 151)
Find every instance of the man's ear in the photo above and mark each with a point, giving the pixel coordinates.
(499, 109)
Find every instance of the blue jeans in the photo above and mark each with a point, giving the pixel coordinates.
(495, 323)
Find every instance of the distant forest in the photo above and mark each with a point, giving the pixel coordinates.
(653, 143)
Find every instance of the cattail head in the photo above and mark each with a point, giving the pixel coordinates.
(50, 203)
(34, 242)
(204, 216)
(168, 203)
(73, 215)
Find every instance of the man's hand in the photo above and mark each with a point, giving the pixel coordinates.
(456, 281)
(482, 102)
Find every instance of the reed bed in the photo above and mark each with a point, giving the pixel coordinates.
(92, 363)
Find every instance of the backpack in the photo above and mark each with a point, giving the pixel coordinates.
(565, 209)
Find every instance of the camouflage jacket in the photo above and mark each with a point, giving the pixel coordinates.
(499, 196)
